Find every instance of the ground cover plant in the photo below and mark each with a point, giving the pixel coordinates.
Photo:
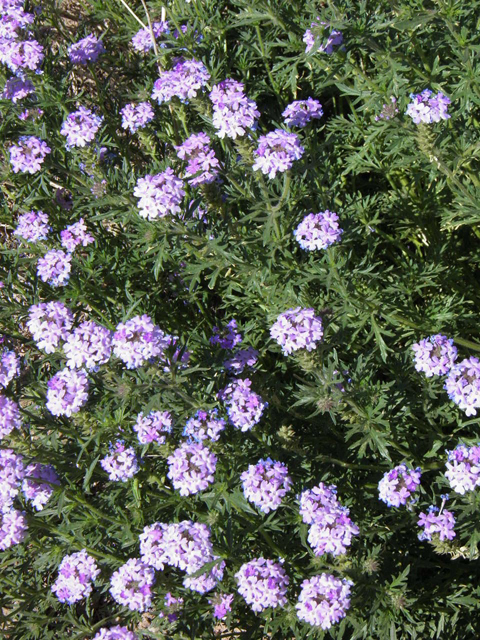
(239, 319)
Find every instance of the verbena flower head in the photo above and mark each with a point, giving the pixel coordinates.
(10, 417)
(138, 340)
(463, 468)
(263, 584)
(266, 484)
(38, 484)
(241, 359)
(442, 525)
(13, 528)
(398, 485)
(463, 385)
(33, 226)
(324, 600)
(154, 545)
(206, 581)
(204, 425)
(17, 88)
(435, 356)
(50, 324)
(154, 427)
(21, 54)
(202, 164)
(12, 472)
(67, 392)
(227, 337)
(184, 81)
(191, 468)
(13, 19)
(54, 268)
(28, 155)
(332, 531)
(160, 195)
(75, 576)
(296, 329)
(9, 367)
(86, 50)
(318, 230)
(244, 406)
(80, 127)
(300, 112)
(320, 32)
(131, 585)
(136, 116)
(89, 345)
(222, 604)
(314, 501)
(276, 152)
(427, 107)
(115, 633)
(187, 546)
(121, 464)
(142, 40)
(233, 112)
(76, 235)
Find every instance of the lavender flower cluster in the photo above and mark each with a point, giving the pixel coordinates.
(435, 356)
(131, 585)
(227, 337)
(233, 112)
(324, 600)
(427, 107)
(86, 50)
(320, 36)
(442, 524)
(10, 417)
(75, 576)
(184, 81)
(202, 164)
(318, 231)
(154, 427)
(191, 468)
(50, 324)
(67, 392)
(121, 464)
(54, 267)
(276, 152)
(463, 468)
(136, 116)
(138, 340)
(160, 195)
(28, 155)
(244, 406)
(300, 112)
(296, 329)
(76, 235)
(398, 485)
(88, 345)
(241, 359)
(33, 226)
(263, 584)
(204, 425)
(80, 127)
(266, 483)
(9, 367)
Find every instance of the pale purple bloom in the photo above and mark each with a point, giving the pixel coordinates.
(202, 164)
(138, 340)
(142, 40)
(12, 472)
(427, 107)
(184, 81)
(89, 345)
(266, 484)
(10, 417)
(222, 604)
(131, 585)
(74, 235)
(75, 576)
(442, 524)
(154, 427)
(67, 392)
(263, 583)
(191, 468)
(17, 88)
(187, 546)
(160, 195)
(37, 485)
(463, 385)
(300, 112)
(28, 155)
(314, 501)
(49, 323)
(33, 226)
(241, 359)
(398, 485)
(227, 337)
(86, 50)
(13, 528)
(80, 127)
(296, 329)
(154, 545)
(12, 20)
(323, 600)
(206, 581)
(318, 231)
(115, 633)
(21, 54)
(463, 468)
(121, 464)
(205, 424)
(244, 406)
(276, 152)
(136, 116)
(435, 356)
(55, 267)
(233, 112)
(9, 367)
(320, 32)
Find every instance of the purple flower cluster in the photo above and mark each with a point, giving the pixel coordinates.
(266, 484)
(319, 30)
(205, 424)
(89, 345)
(318, 230)
(463, 468)
(17, 88)
(136, 116)
(206, 581)
(228, 337)
(131, 585)
(121, 464)
(75, 575)
(86, 50)
(463, 385)
(427, 108)
(244, 406)
(296, 329)
(241, 359)
(49, 323)
(55, 267)
(142, 40)
(115, 633)
(398, 485)
(300, 112)
(12, 472)
(33, 226)
(202, 164)
(276, 152)
(184, 81)
(10, 417)
(442, 524)
(435, 356)
(67, 392)
(323, 600)
(9, 367)
(25, 54)
(172, 606)
(38, 484)
(191, 468)
(28, 155)
(138, 340)
(154, 427)
(13, 528)
(76, 235)
(263, 583)
(233, 112)
(80, 127)
(159, 195)
(222, 604)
